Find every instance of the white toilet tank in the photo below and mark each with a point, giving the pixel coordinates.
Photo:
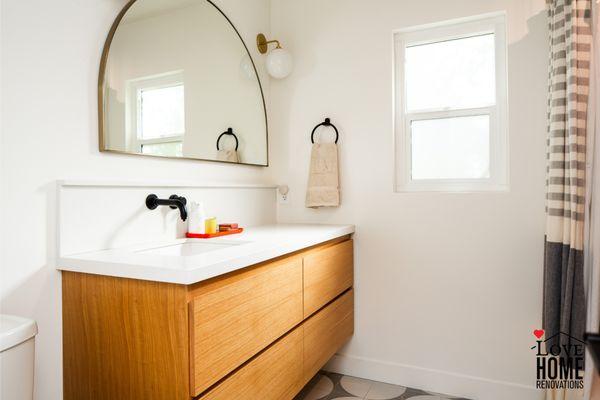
(17, 336)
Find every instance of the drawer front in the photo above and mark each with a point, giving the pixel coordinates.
(327, 331)
(327, 273)
(123, 339)
(235, 317)
(275, 374)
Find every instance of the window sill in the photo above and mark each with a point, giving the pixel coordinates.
(451, 187)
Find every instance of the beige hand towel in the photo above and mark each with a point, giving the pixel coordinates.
(228, 155)
(323, 182)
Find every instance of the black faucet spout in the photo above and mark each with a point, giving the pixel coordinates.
(174, 201)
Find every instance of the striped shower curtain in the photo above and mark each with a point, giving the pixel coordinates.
(592, 383)
(569, 75)
(564, 297)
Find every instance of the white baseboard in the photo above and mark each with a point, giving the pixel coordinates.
(471, 387)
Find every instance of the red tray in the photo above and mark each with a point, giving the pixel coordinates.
(212, 235)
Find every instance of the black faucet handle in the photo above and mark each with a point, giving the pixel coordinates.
(180, 198)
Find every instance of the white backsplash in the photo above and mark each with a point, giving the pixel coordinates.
(100, 215)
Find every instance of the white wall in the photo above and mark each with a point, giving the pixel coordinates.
(50, 58)
(448, 286)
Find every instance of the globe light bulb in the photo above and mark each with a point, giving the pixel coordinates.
(279, 63)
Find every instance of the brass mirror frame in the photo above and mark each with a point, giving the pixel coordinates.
(102, 83)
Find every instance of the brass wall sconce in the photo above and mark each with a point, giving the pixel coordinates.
(263, 44)
(279, 61)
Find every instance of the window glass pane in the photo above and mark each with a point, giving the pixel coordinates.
(162, 112)
(451, 148)
(452, 74)
(170, 149)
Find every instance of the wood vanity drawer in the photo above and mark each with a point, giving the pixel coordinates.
(327, 331)
(327, 273)
(234, 317)
(275, 374)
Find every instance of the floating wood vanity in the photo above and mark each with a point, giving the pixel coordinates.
(260, 332)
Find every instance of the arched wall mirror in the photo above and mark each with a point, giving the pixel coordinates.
(175, 75)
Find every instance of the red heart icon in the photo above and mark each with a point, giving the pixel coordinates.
(538, 333)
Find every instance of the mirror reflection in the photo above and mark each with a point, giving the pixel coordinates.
(178, 81)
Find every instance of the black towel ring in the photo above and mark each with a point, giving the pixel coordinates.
(327, 122)
(229, 131)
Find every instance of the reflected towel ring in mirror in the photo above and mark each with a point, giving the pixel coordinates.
(327, 122)
(229, 131)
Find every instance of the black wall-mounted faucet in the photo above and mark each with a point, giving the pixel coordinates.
(174, 201)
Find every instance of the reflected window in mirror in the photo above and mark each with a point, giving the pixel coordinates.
(156, 114)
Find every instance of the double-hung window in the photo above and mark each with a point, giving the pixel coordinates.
(156, 114)
(451, 107)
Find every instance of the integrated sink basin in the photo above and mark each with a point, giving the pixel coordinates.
(189, 261)
(190, 248)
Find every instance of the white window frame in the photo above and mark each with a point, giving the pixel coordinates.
(134, 108)
(498, 113)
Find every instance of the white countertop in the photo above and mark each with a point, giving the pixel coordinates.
(253, 246)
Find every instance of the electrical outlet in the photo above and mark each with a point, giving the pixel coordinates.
(283, 198)
(283, 194)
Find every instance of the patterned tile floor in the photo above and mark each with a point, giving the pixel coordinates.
(329, 386)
